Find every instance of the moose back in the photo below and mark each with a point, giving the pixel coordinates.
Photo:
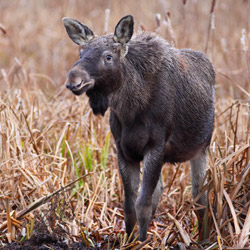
(161, 102)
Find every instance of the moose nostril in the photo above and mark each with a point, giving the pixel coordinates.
(79, 84)
(68, 86)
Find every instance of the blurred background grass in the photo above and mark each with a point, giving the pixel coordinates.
(37, 38)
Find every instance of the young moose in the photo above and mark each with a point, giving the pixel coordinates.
(161, 103)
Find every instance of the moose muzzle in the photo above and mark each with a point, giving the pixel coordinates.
(79, 81)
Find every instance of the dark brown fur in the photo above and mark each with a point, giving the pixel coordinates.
(161, 103)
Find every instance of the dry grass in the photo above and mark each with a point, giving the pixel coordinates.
(48, 137)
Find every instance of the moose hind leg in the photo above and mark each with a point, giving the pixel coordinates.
(198, 172)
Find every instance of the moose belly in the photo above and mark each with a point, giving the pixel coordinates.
(133, 143)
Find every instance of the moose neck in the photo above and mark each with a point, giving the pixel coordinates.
(133, 95)
(139, 71)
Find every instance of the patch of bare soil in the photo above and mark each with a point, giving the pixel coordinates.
(50, 231)
(41, 239)
(44, 242)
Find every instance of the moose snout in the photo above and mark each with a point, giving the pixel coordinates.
(73, 86)
(78, 81)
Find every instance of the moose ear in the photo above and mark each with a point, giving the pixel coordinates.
(78, 32)
(124, 30)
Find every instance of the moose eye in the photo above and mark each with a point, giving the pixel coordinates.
(81, 52)
(108, 58)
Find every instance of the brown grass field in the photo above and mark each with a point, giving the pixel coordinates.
(49, 137)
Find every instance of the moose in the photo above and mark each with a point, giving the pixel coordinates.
(161, 102)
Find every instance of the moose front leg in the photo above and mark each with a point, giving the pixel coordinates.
(157, 195)
(151, 190)
(130, 173)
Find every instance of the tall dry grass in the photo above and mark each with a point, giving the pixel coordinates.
(48, 137)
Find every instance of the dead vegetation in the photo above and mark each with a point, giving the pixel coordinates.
(49, 138)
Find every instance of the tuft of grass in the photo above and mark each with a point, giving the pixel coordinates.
(105, 151)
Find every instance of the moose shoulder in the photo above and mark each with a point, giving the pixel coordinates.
(161, 103)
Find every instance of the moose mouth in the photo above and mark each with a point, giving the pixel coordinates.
(81, 87)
